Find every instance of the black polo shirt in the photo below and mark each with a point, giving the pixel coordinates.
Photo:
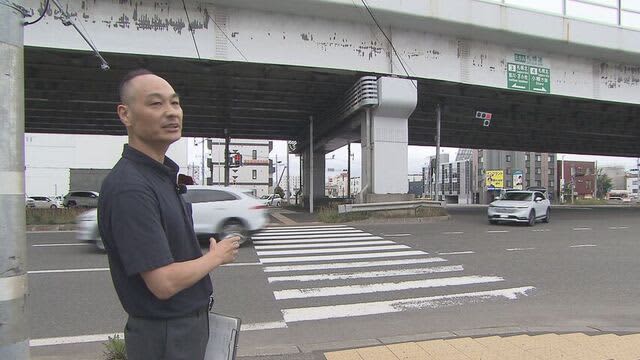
(145, 224)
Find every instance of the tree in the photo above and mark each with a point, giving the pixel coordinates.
(604, 184)
(278, 190)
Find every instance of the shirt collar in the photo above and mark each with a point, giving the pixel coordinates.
(168, 168)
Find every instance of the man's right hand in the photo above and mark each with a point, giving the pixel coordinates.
(226, 250)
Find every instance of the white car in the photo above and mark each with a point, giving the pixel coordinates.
(520, 206)
(217, 210)
(272, 200)
(46, 202)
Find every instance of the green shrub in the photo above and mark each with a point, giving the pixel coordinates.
(115, 349)
(52, 216)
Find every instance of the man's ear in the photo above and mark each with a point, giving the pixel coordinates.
(123, 114)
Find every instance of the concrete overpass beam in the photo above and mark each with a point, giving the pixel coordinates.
(385, 140)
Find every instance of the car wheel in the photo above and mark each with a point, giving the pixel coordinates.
(234, 226)
(71, 203)
(532, 218)
(547, 217)
(53, 207)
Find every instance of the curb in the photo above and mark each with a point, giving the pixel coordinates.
(292, 349)
(44, 228)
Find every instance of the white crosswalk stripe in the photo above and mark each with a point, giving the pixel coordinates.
(343, 266)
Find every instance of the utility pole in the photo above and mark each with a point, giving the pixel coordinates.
(227, 141)
(349, 170)
(14, 329)
(311, 164)
(288, 192)
(438, 118)
(204, 177)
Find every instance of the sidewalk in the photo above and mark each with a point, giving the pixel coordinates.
(573, 346)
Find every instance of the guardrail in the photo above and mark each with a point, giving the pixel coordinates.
(385, 206)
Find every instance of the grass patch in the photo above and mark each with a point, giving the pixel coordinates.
(115, 349)
(329, 214)
(53, 216)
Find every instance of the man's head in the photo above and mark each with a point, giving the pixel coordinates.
(150, 110)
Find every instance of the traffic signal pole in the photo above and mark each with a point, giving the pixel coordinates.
(14, 329)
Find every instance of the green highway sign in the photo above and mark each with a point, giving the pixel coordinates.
(528, 78)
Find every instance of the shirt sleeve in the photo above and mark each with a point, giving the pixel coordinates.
(137, 230)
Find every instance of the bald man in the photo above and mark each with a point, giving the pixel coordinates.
(157, 267)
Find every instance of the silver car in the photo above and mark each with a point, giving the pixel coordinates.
(520, 206)
(216, 211)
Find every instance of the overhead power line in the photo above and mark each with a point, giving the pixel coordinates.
(388, 39)
(191, 30)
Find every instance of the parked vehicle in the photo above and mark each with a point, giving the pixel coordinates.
(520, 206)
(81, 198)
(272, 200)
(217, 211)
(29, 202)
(46, 202)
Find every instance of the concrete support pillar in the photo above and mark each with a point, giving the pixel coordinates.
(318, 175)
(385, 140)
(14, 329)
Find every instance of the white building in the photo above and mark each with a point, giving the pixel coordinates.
(337, 186)
(254, 174)
(633, 184)
(50, 158)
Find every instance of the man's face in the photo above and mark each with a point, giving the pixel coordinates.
(151, 111)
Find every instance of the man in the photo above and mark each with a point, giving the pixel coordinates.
(157, 266)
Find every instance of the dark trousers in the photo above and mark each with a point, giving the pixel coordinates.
(167, 339)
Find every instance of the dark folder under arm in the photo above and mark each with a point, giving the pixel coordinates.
(223, 337)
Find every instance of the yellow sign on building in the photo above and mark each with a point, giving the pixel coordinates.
(494, 179)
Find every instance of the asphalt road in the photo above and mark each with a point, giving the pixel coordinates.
(579, 271)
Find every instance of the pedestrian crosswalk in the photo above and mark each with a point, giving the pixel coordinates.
(337, 271)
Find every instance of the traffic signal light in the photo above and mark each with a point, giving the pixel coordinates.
(485, 117)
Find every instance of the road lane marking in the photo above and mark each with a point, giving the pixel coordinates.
(382, 287)
(304, 227)
(316, 245)
(319, 236)
(243, 264)
(352, 265)
(304, 233)
(307, 241)
(289, 230)
(263, 326)
(453, 232)
(60, 271)
(584, 245)
(396, 235)
(73, 339)
(61, 244)
(341, 257)
(393, 306)
(581, 229)
(368, 274)
(618, 227)
(520, 249)
(456, 253)
(331, 250)
(541, 230)
(497, 231)
(66, 340)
